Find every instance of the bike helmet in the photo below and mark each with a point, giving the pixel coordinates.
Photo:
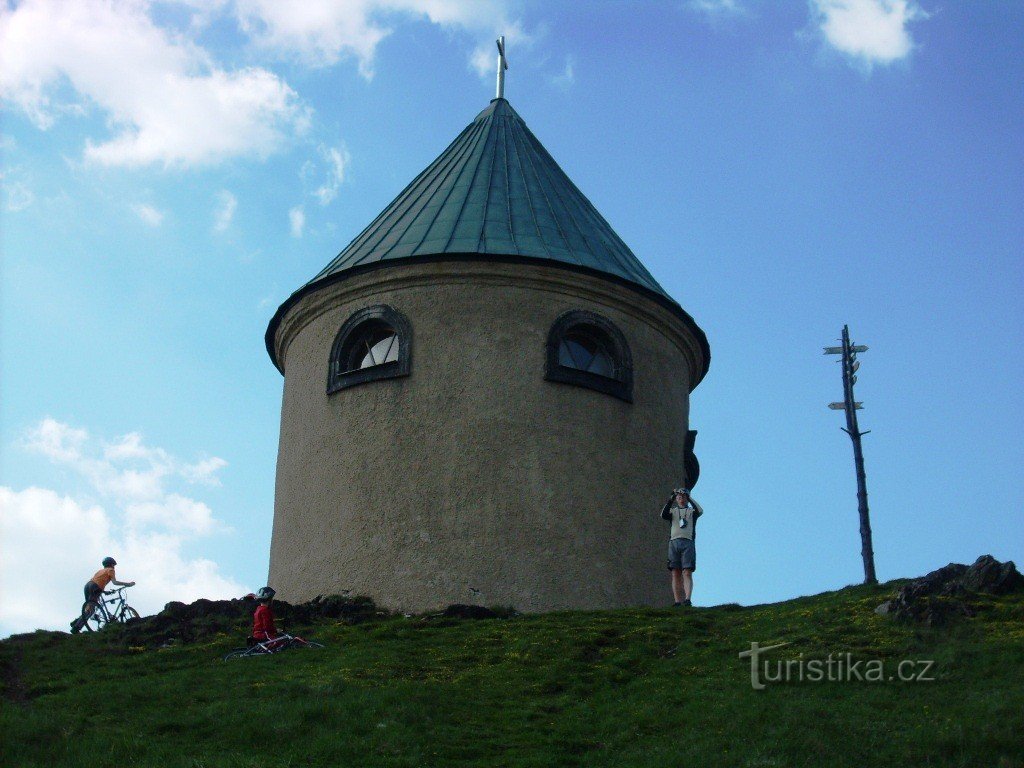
(109, 562)
(265, 593)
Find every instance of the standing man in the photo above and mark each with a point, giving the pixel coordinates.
(682, 511)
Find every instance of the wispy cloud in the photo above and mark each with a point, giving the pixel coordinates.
(718, 8)
(869, 32)
(17, 196)
(148, 214)
(336, 160)
(167, 100)
(224, 213)
(297, 220)
(144, 515)
(126, 469)
(484, 58)
(567, 77)
(321, 34)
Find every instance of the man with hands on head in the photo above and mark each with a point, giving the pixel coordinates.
(682, 511)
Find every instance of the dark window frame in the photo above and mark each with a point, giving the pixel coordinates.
(620, 386)
(382, 314)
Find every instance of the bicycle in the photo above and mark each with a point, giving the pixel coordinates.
(104, 611)
(282, 642)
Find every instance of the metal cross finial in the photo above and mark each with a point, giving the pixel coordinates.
(502, 66)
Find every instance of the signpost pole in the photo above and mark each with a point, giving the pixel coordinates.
(850, 406)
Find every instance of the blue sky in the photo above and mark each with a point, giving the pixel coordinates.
(173, 170)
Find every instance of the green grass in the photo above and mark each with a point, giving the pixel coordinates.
(655, 688)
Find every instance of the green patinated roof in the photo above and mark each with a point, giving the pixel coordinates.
(494, 194)
(494, 191)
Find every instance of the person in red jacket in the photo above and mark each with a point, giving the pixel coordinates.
(263, 619)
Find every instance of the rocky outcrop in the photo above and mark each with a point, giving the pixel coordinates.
(945, 593)
(193, 622)
(186, 623)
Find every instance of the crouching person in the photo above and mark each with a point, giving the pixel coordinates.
(682, 511)
(263, 619)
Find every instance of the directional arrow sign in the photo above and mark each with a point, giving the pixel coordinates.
(841, 406)
(859, 348)
(834, 350)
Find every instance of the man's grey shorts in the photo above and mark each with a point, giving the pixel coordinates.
(682, 554)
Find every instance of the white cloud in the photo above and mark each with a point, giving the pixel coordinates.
(57, 441)
(148, 214)
(17, 197)
(322, 33)
(297, 220)
(227, 204)
(718, 7)
(204, 471)
(174, 513)
(52, 545)
(869, 31)
(127, 469)
(567, 76)
(484, 58)
(336, 159)
(16, 194)
(165, 99)
(60, 540)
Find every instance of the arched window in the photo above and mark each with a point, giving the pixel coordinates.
(374, 343)
(588, 350)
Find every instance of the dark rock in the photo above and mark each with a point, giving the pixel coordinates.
(942, 595)
(989, 575)
(886, 608)
(461, 611)
(945, 580)
(188, 623)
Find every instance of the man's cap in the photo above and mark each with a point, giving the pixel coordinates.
(680, 490)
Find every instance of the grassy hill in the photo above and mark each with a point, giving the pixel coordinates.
(652, 688)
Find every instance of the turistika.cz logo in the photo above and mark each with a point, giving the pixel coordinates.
(834, 668)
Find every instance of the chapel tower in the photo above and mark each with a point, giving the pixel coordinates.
(486, 397)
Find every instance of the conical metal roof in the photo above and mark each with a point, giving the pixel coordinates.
(494, 191)
(494, 194)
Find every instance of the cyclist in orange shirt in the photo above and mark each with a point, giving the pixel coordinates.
(94, 588)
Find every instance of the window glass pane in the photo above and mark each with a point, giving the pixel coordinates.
(377, 346)
(392, 353)
(378, 351)
(586, 349)
(372, 346)
(580, 351)
(601, 364)
(564, 356)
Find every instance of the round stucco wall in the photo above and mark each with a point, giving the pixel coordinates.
(474, 479)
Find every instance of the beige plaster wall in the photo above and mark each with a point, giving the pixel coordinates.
(473, 479)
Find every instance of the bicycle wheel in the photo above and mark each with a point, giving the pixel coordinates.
(128, 614)
(95, 620)
(238, 653)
